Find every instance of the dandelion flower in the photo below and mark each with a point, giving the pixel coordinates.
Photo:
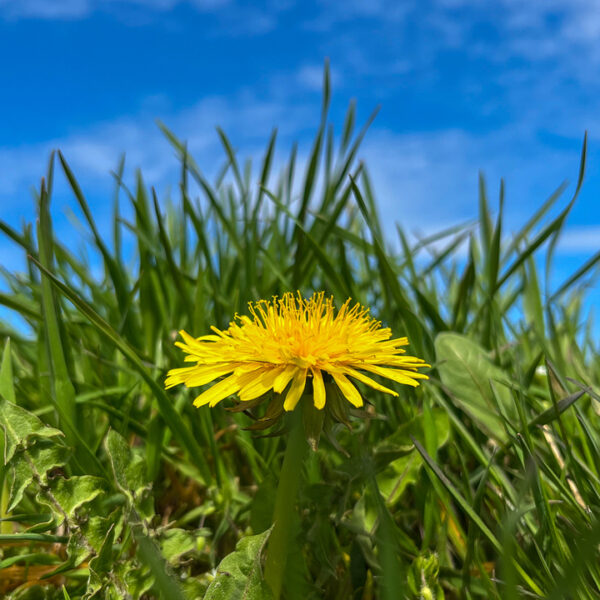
(291, 340)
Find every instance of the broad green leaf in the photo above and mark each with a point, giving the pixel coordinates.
(90, 537)
(32, 464)
(174, 543)
(21, 428)
(72, 493)
(239, 576)
(468, 374)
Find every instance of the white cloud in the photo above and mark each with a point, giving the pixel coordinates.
(45, 9)
(580, 239)
(332, 12)
(423, 180)
(562, 34)
(230, 18)
(79, 9)
(428, 181)
(93, 152)
(310, 77)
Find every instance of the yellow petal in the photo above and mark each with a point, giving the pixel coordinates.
(187, 338)
(318, 389)
(202, 375)
(405, 377)
(407, 362)
(368, 381)
(219, 391)
(261, 385)
(284, 377)
(296, 390)
(348, 389)
(247, 367)
(209, 338)
(177, 376)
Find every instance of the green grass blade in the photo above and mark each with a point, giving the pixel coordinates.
(172, 419)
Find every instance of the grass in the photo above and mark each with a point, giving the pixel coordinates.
(482, 483)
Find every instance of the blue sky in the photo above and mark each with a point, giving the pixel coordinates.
(507, 88)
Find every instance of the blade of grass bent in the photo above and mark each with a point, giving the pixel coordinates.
(169, 414)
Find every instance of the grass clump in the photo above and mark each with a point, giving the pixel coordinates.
(482, 483)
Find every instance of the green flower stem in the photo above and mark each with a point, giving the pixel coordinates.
(287, 491)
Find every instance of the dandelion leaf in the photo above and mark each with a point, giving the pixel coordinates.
(73, 493)
(21, 428)
(239, 576)
(31, 465)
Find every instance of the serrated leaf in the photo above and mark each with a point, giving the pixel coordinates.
(92, 535)
(21, 428)
(74, 492)
(33, 463)
(239, 576)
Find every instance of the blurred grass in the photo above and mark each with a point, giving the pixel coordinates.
(482, 483)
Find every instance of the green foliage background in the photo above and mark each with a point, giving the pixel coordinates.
(482, 483)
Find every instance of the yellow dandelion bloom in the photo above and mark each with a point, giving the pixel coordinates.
(289, 340)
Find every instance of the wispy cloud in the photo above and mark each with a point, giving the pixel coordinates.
(93, 152)
(230, 18)
(310, 77)
(79, 9)
(426, 175)
(580, 239)
(45, 9)
(423, 180)
(429, 180)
